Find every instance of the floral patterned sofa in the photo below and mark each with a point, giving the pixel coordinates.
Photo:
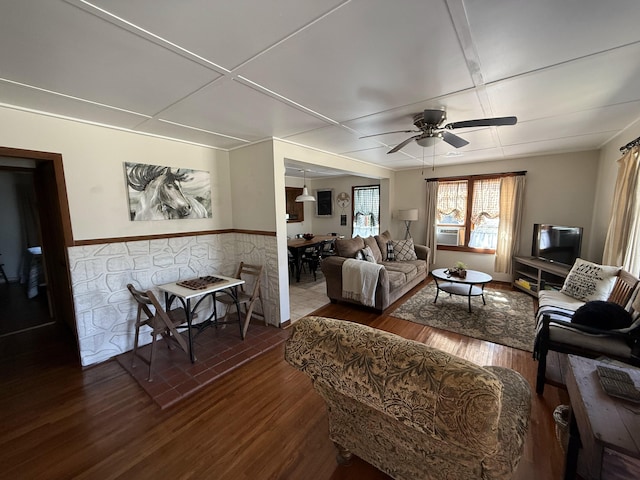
(410, 410)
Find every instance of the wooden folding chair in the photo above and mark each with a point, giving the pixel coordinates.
(248, 293)
(161, 323)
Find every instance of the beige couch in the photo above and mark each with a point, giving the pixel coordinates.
(410, 410)
(394, 280)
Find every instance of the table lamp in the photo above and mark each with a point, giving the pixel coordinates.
(409, 215)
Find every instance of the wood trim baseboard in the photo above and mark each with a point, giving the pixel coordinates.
(100, 241)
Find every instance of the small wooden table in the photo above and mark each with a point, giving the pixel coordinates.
(607, 427)
(470, 286)
(184, 295)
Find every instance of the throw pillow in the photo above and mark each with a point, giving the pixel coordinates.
(589, 281)
(391, 254)
(403, 250)
(368, 254)
(602, 315)
(373, 244)
(349, 247)
(382, 241)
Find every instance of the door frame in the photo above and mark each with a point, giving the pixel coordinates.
(55, 229)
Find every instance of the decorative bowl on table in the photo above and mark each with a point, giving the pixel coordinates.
(308, 236)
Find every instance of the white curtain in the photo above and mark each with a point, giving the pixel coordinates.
(622, 245)
(430, 218)
(511, 199)
(366, 211)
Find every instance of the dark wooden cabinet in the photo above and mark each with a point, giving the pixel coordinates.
(295, 210)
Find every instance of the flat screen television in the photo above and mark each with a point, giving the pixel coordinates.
(556, 243)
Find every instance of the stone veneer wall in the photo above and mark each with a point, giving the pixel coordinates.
(105, 310)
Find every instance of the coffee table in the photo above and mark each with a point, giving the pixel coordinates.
(470, 286)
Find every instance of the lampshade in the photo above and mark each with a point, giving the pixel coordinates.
(305, 197)
(411, 214)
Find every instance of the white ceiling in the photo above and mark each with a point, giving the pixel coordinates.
(323, 73)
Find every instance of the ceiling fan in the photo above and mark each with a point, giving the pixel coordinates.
(430, 129)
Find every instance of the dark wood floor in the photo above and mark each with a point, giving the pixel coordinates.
(262, 421)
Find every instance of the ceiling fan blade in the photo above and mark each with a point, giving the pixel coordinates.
(454, 140)
(403, 144)
(483, 122)
(434, 117)
(385, 133)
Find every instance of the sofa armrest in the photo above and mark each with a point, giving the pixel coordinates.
(423, 252)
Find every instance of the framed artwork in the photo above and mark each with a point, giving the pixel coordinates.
(324, 202)
(165, 193)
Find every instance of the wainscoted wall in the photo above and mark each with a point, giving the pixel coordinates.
(105, 311)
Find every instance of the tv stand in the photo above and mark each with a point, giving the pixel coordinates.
(531, 274)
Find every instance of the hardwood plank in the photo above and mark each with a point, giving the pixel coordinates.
(262, 421)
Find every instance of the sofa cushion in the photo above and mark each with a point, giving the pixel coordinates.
(396, 280)
(373, 245)
(589, 281)
(382, 240)
(349, 247)
(408, 269)
(403, 250)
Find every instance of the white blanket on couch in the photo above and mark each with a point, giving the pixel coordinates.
(359, 280)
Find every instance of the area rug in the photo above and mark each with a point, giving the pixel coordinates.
(218, 351)
(507, 318)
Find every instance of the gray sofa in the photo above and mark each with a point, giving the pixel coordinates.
(394, 280)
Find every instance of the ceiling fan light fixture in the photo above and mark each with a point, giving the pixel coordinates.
(428, 141)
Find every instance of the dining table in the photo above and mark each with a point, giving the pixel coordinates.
(185, 294)
(297, 247)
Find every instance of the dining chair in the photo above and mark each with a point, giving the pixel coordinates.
(328, 248)
(161, 322)
(311, 258)
(247, 294)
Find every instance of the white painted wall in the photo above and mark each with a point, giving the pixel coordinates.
(252, 187)
(559, 189)
(93, 159)
(324, 225)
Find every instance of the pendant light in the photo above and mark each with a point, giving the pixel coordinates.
(305, 197)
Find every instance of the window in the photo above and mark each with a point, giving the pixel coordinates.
(366, 211)
(468, 213)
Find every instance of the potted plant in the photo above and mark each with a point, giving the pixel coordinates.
(459, 270)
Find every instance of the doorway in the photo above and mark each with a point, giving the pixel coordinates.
(54, 222)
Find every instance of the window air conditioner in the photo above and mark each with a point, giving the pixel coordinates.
(447, 236)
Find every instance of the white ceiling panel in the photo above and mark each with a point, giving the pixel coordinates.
(333, 138)
(226, 32)
(323, 73)
(517, 36)
(596, 81)
(601, 120)
(59, 47)
(370, 55)
(231, 108)
(561, 145)
(164, 129)
(34, 99)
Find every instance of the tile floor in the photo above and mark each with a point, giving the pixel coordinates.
(221, 350)
(218, 351)
(307, 295)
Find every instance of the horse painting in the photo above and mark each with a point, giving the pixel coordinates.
(161, 196)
